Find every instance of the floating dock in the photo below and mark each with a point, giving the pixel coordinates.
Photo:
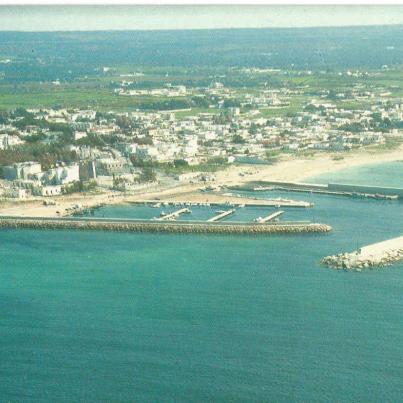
(375, 255)
(174, 215)
(221, 215)
(270, 217)
(133, 225)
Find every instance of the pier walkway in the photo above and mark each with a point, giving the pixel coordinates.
(221, 215)
(270, 217)
(174, 215)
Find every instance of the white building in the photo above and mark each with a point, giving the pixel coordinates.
(61, 175)
(189, 176)
(191, 146)
(109, 166)
(208, 135)
(17, 193)
(144, 152)
(79, 135)
(48, 190)
(22, 170)
(7, 141)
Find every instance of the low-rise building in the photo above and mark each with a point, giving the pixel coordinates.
(22, 170)
(61, 175)
(17, 193)
(110, 166)
(55, 190)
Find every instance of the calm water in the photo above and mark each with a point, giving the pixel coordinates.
(91, 316)
(390, 173)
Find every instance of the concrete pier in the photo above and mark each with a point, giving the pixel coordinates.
(221, 215)
(132, 225)
(375, 255)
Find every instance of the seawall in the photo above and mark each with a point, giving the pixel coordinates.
(164, 227)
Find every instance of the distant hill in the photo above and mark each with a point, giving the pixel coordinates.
(302, 48)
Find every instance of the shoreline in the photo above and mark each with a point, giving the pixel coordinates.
(301, 169)
(288, 168)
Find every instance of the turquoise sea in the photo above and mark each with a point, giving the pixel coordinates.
(93, 316)
(379, 174)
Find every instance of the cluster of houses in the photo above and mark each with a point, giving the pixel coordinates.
(113, 148)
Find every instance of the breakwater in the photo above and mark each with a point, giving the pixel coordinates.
(126, 225)
(375, 255)
(335, 189)
(371, 190)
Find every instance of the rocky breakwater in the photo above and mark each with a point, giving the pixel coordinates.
(380, 254)
(167, 227)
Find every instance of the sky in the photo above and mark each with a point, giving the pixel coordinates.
(90, 17)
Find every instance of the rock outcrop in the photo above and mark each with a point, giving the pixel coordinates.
(380, 254)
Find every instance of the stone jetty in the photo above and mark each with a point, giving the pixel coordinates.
(376, 255)
(164, 227)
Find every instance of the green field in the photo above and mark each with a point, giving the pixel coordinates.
(96, 91)
(99, 99)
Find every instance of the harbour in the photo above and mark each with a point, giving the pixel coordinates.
(201, 204)
(212, 288)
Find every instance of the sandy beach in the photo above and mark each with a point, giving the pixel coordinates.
(299, 169)
(288, 168)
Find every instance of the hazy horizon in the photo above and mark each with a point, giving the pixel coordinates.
(179, 17)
